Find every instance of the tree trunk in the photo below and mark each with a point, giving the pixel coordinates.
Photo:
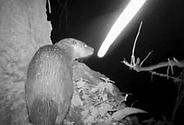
(23, 29)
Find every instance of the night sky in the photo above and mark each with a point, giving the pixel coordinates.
(162, 32)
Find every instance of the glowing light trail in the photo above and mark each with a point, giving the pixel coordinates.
(129, 12)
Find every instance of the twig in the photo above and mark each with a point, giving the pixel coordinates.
(146, 58)
(49, 5)
(133, 50)
(165, 75)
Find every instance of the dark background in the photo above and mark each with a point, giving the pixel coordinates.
(162, 32)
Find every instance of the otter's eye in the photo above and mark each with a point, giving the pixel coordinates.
(85, 45)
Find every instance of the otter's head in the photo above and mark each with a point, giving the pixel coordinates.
(77, 49)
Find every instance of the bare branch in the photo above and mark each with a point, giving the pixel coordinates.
(137, 66)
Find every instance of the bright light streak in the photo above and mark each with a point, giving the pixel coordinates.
(125, 17)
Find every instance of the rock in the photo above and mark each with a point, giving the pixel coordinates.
(94, 97)
(80, 70)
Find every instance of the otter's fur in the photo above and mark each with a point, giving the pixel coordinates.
(49, 86)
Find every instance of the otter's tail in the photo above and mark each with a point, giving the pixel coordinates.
(43, 111)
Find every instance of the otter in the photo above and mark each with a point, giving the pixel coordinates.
(49, 85)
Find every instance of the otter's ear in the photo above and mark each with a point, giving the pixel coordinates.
(74, 41)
